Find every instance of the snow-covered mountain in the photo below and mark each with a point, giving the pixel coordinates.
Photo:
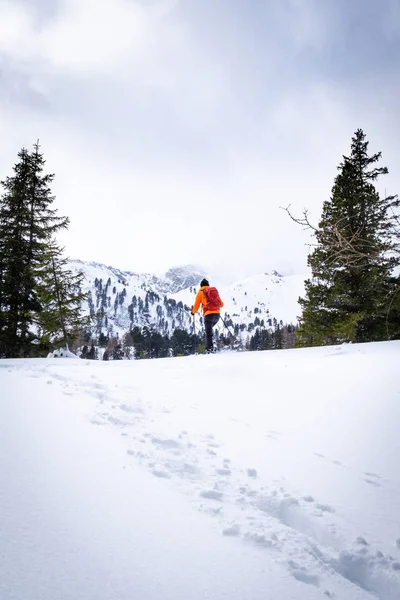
(127, 299)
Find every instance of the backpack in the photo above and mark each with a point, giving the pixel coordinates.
(213, 300)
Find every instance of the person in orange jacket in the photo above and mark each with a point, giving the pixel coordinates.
(208, 298)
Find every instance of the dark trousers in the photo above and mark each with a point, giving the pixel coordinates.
(209, 322)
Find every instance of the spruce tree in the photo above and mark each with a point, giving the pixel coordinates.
(59, 290)
(17, 275)
(349, 296)
(28, 225)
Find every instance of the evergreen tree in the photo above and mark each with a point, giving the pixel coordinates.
(117, 352)
(59, 292)
(91, 354)
(28, 225)
(348, 297)
(127, 344)
(139, 342)
(103, 340)
(182, 343)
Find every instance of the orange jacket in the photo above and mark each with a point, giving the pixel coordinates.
(201, 299)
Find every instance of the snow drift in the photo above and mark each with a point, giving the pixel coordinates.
(253, 475)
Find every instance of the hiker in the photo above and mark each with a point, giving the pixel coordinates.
(211, 303)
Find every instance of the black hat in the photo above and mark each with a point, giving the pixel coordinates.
(204, 282)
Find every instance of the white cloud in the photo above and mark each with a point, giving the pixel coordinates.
(171, 145)
(305, 23)
(86, 36)
(94, 35)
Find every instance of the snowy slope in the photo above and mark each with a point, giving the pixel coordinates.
(272, 295)
(267, 296)
(234, 476)
(133, 285)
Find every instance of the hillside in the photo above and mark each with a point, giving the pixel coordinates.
(233, 477)
(128, 299)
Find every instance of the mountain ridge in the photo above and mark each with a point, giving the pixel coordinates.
(122, 299)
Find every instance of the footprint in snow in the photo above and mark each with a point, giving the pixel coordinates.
(246, 491)
(210, 510)
(232, 530)
(259, 539)
(370, 569)
(373, 475)
(166, 444)
(117, 422)
(223, 471)
(98, 386)
(273, 435)
(302, 574)
(130, 409)
(161, 474)
(306, 577)
(372, 482)
(252, 473)
(212, 494)
(325, 508)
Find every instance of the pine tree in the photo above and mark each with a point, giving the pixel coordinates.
(59, 290)
(103, 340)
(139, 343)
(91, 354)
(348, 297)
(28, 225)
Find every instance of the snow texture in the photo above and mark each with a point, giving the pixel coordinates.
(234, 476)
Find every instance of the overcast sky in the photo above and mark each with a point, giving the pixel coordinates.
(178, 128)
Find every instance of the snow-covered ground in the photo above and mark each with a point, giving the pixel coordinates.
(251, 476)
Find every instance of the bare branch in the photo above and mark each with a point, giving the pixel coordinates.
(343, 244)
(304, 222)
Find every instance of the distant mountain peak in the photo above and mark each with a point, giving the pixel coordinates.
(184, 277)
(121, 300)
